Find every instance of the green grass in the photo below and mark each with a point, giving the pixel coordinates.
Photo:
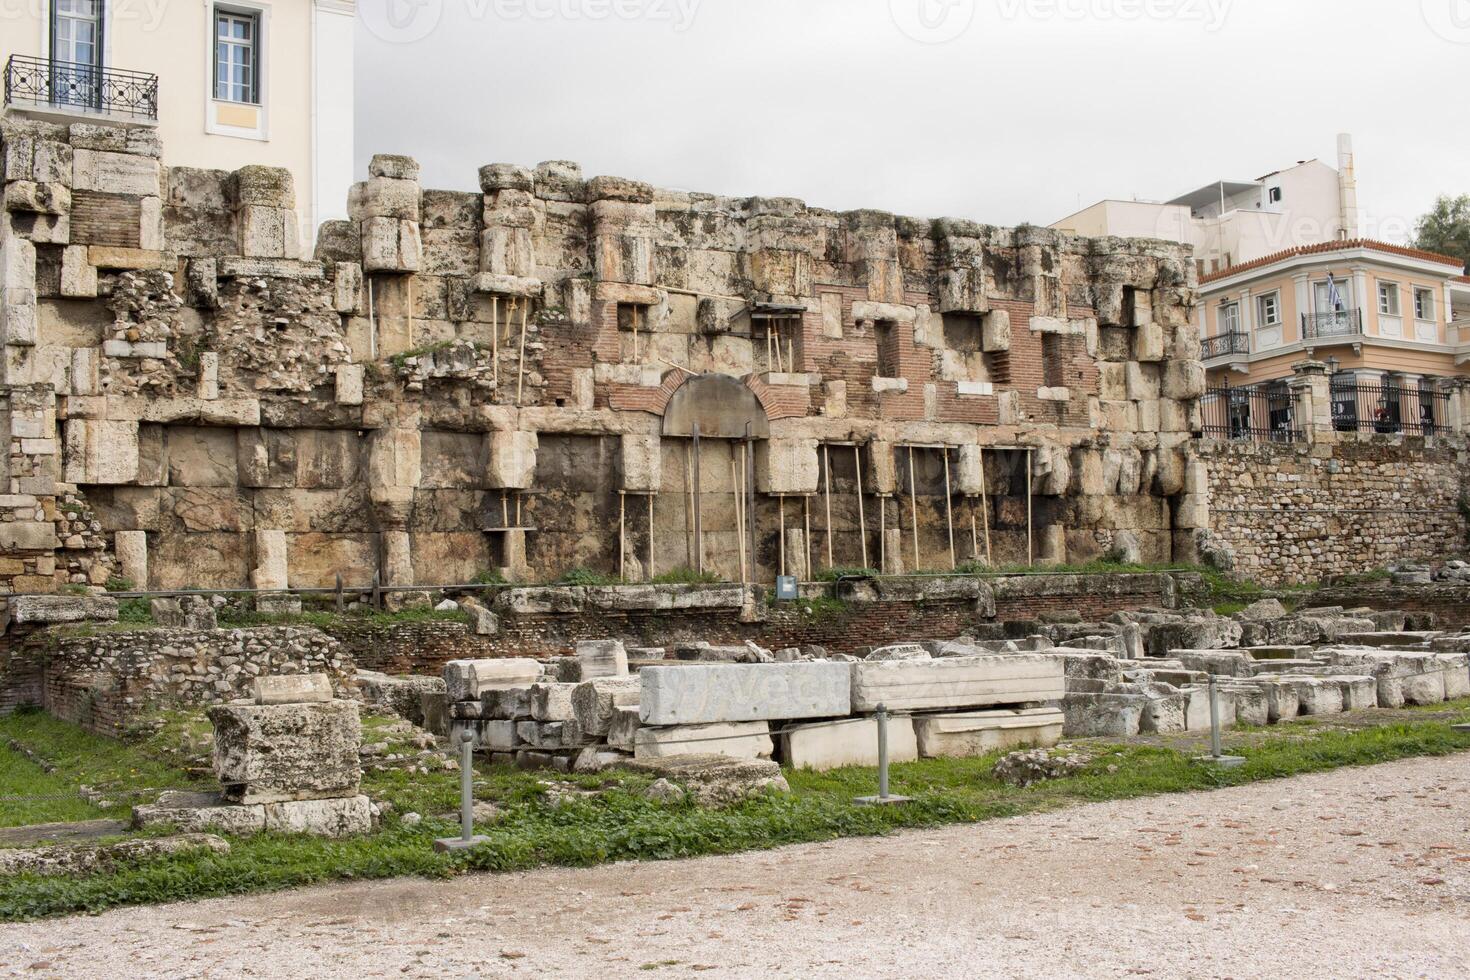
(686, 576)
(231, 617)
(586, 576)
(619, 824)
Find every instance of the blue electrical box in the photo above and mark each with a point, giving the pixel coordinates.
(786, 588)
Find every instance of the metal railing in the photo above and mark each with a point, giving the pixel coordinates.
(67, 85)
(1265, 412)
(1388, 408)
(1338, 323)
(1224, 345)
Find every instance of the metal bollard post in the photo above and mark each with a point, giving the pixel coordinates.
(1217, 756)
(884, 798)
(466, 838)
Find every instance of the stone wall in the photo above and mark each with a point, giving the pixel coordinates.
(103, 679)
(1342, 504)
(454, 382)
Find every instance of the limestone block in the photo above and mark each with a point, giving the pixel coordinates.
(342, 817)
(882, 475)
(1456, 678)
(1191, 511)
(347, 288)
(978, 733)
(101, 451)
(893, 549)
(349, 384)
(1252, 705)
(594, 701)
(1183, 380)
(795, 556)
(37, 197)
(1319, 696)
(851, 742)
(391, 245)
(747, 740)
(743, 692)
(1102, 715)
(395, 458)
(384, 197)
(962, 682)
(1164, 714)
(114, 173)
(207, 387)
(267, 232)
(264, 186)
(44, 609)
(270, 561)
(642, 463)
(602, 658)
(292, 689)
(969, 476)
(468, 680)
(552, 702)
(131, 548)
(196, 812)
(276, 753)
(508, 251)
(397, 558)
(512, 460)
(150, 224)
(787, 466)
(622, 730)
(996, 332)
(1282, 703)
(17, 317)
(1148, 343)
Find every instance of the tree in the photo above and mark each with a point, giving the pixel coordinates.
(1446, 229)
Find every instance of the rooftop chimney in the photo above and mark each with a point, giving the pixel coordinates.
(1347, 187)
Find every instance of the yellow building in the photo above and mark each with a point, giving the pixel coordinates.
(225, 84)
(1392, 324)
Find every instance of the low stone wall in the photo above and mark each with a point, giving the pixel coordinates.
(1345, 504)
(102, 680)
(410, 648)
(1448, 601)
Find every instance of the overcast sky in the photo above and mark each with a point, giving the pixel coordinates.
(998, 110)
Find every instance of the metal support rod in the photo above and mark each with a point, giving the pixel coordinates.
(1215, 750)
(882, 716)
(739, 520)
(651, 495)
(467, 786)
(883, 534)
(341, 604)
(954, 561)
(827, 493)
(974, 532)
(408, 315)
(622, 535)
(806, 510)
(495, 339)
(914, 508)
(688, 508)
(698, 492)
(782, 503)
(372, 321)
(857, 466)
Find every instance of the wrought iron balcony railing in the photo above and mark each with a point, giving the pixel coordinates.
(1325, 326)
(66, 85)
(1224, 345)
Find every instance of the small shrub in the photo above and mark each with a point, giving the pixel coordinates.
(585, 577)
(119, 584)
(686, 576)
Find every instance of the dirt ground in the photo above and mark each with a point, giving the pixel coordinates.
(1354, 873)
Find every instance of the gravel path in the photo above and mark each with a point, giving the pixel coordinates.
(1359, 872)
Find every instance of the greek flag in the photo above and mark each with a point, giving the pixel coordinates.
(1334, 296)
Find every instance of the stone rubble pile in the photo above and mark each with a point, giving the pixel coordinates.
(287, 762)
(744, 703)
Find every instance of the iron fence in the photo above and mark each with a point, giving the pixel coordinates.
(1265, 412)
(68, 85)
(1389, 408)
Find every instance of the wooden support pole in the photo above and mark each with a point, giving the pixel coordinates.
(974, 532)
(504, 509)
(688, 508)
(914, 507)
(739, 523)
(857, 465)
(372, 322)
(520, 524)
(408, 315)
(827, 492)
(622, 535)
(521, 360)
(954, 562)
(806, 507)
(985, 509)
(650, 535)
(698, 492)
(749, 477)
(883, 534)
(782, 502)
(1030, 547)
(495, 338)
(770, 357)
(635, 334)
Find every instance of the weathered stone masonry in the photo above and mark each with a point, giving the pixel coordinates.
(456, 382)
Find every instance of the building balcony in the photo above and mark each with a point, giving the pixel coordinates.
(72, 89)
(1336, 325)
(1225, 345)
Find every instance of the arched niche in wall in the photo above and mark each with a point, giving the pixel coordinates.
(723, 407)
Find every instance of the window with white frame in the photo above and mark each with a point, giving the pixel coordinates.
(1229, 318)
(1388, 298)
(1423, 303)
(236, 56)
(1268, 310)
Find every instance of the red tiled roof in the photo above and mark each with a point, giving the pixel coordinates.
(1327, 247)
(1462, 279)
